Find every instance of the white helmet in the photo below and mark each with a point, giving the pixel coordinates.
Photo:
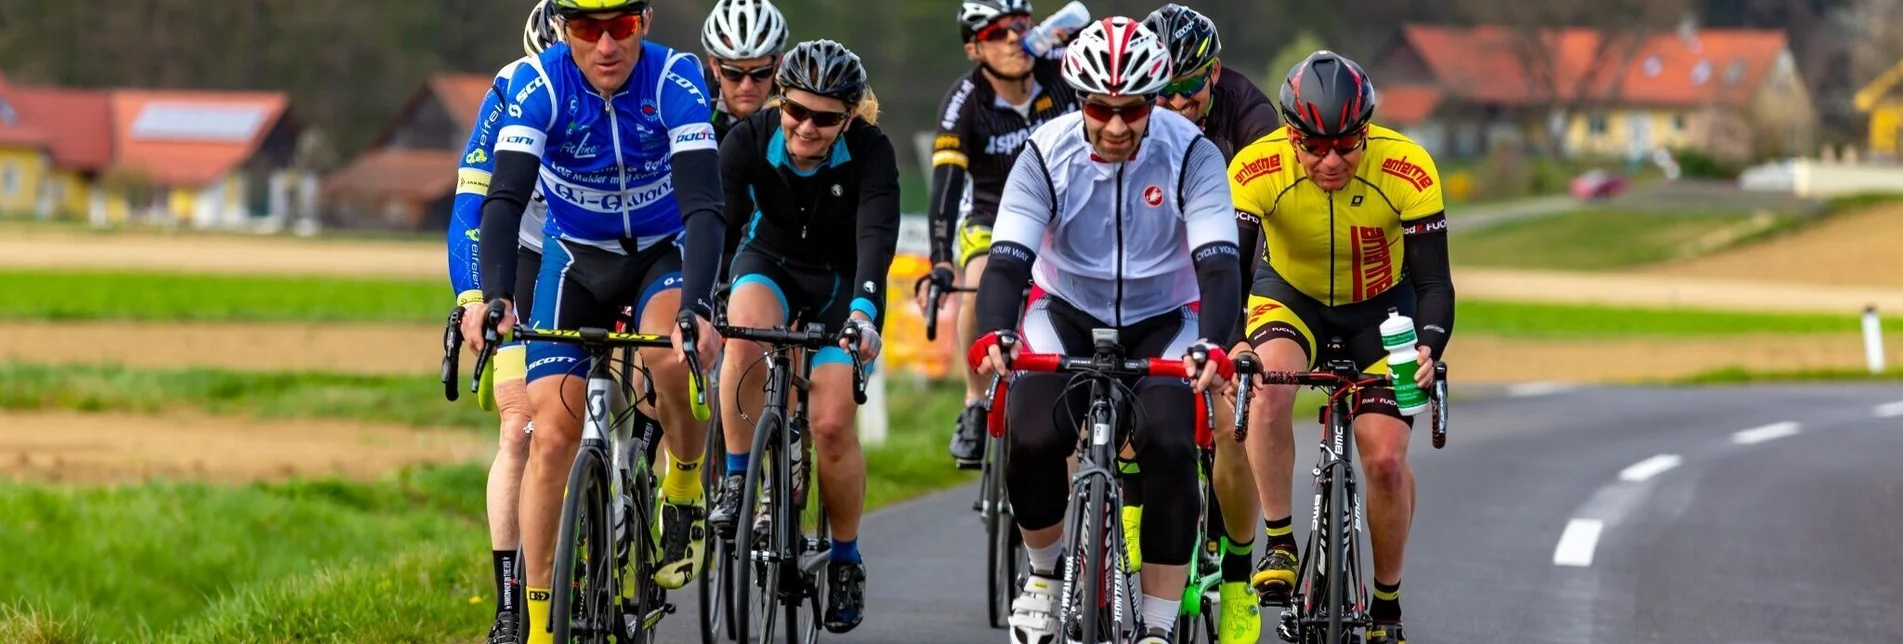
(538, 34)
(1117, 56)
(740, 29)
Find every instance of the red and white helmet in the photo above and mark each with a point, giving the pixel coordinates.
(1117, 56)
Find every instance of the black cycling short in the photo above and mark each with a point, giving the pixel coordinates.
(1043, 420)
(587, 286)
(1278, 310)
(808, 293)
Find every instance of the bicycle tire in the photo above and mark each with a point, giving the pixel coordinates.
(999, 578)
(645, 551)
(1338, 550)
(716, 577)
(1092, 526)
(586, 514)
(821, 582)
(765, 456)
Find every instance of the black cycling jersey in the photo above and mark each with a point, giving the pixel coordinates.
(1239, 114)
(978, 139)
(844, 215)
(723, 123)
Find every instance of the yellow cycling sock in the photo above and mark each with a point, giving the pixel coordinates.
(1281, 533)
(1386, 607)
(539, 631)
(682, 484)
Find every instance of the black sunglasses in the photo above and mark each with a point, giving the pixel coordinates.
(803, 113)
(762, 74)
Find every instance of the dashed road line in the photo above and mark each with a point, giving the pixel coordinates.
(1531, 389)
(1577, 543)
(1649, 468)
(1889, 410)
(1757, 435)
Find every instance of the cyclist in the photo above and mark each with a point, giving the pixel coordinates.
(820, 182)
(619, 132)
(743, 40)
(1232, 113)
(986, 117)
(508, 370)
(1118, 235)
(1355, 224)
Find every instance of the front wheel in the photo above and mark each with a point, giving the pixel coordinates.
(583, 605)
(716, 577)
(756, 579)
(1005, 546)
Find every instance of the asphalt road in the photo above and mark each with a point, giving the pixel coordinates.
(1746, 515)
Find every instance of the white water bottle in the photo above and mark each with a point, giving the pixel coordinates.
(1042, 39)
(1397, 336)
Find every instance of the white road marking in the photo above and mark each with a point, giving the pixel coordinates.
(1890, 410)
(1530, 389)
(1577, 543)
(1649, 468)
(1772, 431)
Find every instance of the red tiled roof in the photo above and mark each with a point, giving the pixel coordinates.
(15, 129)
(1406, 104)
(462, 95)
(416, 174)
(1493, 64)
(175, 161)
(77, 123)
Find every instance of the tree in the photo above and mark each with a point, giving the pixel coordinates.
(1304, 43)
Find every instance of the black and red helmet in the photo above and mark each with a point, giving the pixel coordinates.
(1326, 95)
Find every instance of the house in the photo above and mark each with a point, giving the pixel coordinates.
(1882, 99)
(1732, 93)
(406, 179)
(210, 158)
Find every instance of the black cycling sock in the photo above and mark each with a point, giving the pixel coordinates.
(1387, 603)
(1236, 564)
(505, 587)
(1281, 533)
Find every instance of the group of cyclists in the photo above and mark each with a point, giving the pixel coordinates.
(606, 181)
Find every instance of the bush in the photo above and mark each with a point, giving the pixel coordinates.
(1693, 164)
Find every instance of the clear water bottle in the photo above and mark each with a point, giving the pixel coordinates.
(1042, 39)
(1397, 336)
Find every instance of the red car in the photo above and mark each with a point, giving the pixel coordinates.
(1597, 184)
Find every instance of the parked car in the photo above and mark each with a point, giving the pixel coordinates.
(1598, 184)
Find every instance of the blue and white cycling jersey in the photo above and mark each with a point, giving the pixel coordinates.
(472, 185)
(606, 162)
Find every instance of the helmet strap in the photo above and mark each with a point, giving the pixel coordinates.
(998, 76)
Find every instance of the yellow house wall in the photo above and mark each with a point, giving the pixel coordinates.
(26, 166)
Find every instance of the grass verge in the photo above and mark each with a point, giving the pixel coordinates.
(1591, 240)
(48, 295)
(1574, 320)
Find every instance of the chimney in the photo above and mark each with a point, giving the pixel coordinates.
(1688, 30)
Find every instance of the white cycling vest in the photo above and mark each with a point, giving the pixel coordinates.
(1115, 239)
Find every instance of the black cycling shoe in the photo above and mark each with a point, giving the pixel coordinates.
(968, 440)
(845, 596)
(725, 509)
(1386, 634)
(503, 631)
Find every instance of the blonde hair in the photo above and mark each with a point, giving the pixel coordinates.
(867, 109)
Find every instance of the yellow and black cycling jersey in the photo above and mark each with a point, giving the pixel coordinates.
(1345, 246)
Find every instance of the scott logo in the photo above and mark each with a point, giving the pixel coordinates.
(1414, 175)
(1153, 196)
(1259, 168)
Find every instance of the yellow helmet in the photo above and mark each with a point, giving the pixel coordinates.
(572, 7)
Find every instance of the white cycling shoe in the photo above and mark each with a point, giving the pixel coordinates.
(1034, 612)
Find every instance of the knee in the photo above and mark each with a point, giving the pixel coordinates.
(833, 427)
(551, 443)
(1386, 466)
(665, 368)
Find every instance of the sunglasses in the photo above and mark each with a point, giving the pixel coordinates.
(996, 31)
(590, 29)
(1186, 88)
(1129, 113)
(1343, 145)
(760, 75)
(803, 113)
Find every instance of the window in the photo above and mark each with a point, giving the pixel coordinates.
(1653, 66)
(1596, 124)
(1678, 122)
(10, 179)
(1701, 72)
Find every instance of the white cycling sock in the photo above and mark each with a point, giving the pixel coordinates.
(1044, 560)
(1159, 612)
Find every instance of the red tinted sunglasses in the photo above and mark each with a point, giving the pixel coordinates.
(590, 29)
(996, 31)
(1343, 145)
(1133, 112)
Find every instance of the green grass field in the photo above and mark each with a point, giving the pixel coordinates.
(1595, 240)
(1575, 321)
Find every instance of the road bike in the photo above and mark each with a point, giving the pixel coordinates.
(604, 549)
(1097, 603)
(1330, 602)
(778, 566)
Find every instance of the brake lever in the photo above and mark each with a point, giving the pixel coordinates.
(452, 352)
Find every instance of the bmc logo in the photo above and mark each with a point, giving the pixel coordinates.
(1153, 196)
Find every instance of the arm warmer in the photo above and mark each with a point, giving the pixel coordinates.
(509, 191)
(1426, 259)
(696, 176)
